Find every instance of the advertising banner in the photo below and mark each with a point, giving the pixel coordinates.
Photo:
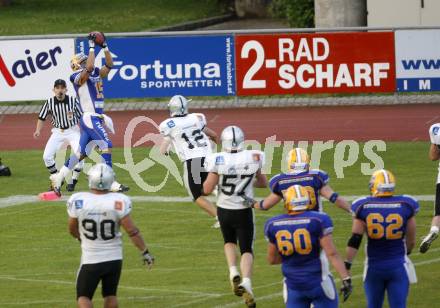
(166, 66)
(315, 63)
(28, 68)
(417, 60)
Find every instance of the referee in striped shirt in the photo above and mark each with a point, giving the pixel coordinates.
(65, 112)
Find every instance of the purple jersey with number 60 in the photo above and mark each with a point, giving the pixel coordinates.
(297, 238)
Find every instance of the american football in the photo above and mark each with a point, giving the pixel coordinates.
(219, 153)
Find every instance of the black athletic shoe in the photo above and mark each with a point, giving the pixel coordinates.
(71, 187)
(123, 188)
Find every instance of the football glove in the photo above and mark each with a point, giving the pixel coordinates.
(91, 44)
(247, 201)
(148, 259)
(104, 44)
(346, 288)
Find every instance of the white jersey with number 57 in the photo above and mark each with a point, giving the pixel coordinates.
(98, 221)
(236, 175)
(187, 136)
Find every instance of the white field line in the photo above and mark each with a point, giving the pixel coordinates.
(54, 281)
(21, 199)
(278, 294)
(70, 301)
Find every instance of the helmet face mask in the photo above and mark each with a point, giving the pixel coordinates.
(382, 183)
(101, 177)
(298, 161)
(297, 199)
(232, 139)
(178, 106)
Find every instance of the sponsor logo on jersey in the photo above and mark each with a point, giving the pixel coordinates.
(171, 124)
(256, 157)
(219, 160)
(79, 204)
(118, 205)
(435, 130)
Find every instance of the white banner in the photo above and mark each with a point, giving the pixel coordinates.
(417, 60)
(28, 68)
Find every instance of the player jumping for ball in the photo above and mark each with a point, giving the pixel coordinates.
(87, 81)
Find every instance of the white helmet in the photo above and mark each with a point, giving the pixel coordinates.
(232, 139)
(178, 105)
(101, 177)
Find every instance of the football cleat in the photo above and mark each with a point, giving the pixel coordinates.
(57, 181)
(248, 295)
(117, 187)
(123, 188)
(235, 283)
(71, 187)
(427, 241)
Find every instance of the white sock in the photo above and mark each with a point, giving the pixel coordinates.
(247, 281)
(233, 271)
(434, 229)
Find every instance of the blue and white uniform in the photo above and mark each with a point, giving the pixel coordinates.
(91, 99)
(312, 180)
(304, 265)
(387, 266)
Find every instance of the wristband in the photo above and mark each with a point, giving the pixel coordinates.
(145, 252)
(92, 49)
(108, 66)
(347, 265)
(261, 205)
(333, 197)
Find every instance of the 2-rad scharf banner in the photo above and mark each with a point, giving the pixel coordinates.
(165, 66)
(315, 63)
(28, 68)
(417, 60)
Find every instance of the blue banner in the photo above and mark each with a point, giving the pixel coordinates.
(166, 66)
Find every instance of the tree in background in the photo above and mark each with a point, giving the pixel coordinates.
(298, 13)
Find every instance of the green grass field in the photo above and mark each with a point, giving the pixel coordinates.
(25, 17)
(38, 259)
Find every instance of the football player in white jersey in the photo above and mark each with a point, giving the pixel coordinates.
(236, 171)
(434, 155)
(190, 137)
(95, 218)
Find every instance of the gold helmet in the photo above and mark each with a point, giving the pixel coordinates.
(297, 198)
(382, 183)
(298, 160)
(78, 61)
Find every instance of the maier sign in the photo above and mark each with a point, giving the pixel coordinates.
(315, 63)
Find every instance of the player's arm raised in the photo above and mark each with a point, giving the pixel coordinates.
(103, 72)
(328, 193)
(136, 237)
(90, 64)
(410, 236)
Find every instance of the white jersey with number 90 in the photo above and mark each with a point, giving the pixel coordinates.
(187, 136)
(98, 221)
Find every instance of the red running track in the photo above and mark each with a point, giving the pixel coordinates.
(389, 123)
